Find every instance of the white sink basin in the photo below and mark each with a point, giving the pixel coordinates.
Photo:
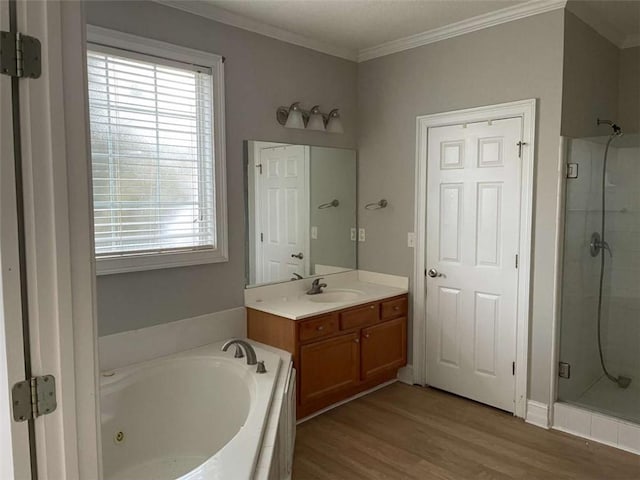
(335, 296)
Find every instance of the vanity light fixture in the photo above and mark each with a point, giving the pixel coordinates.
(296, 117)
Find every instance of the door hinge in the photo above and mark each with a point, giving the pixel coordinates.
(513, 368)
(516, 260)
(262, 237)
(33, 398)
(20, 55)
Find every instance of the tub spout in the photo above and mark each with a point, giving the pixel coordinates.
(248, 349)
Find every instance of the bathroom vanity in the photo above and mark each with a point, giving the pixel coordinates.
(343, 341)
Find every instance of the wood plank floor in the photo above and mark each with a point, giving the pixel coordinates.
(420, 433)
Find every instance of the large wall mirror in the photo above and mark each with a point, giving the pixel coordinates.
(301, 211)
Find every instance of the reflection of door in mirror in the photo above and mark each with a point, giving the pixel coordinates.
(281, 177)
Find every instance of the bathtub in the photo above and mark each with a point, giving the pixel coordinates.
(199, 414)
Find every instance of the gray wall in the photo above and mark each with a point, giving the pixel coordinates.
(260, 74)
(590, 80)
(517, 60)
(333, 175)
(629, 90)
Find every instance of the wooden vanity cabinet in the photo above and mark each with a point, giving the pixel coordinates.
(338, 354)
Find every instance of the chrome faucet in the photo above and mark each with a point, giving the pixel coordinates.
(296, 276)
(248, 349)
(316, 287)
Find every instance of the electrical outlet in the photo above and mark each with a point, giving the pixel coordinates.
(314, 233)
(361, 235)
(411, 240)
(354, 235)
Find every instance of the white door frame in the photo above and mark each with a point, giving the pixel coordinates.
(59, 239)
(525, 109)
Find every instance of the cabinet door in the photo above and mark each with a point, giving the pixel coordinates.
(384, 347)
(329, 366)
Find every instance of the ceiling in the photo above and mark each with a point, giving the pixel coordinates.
(360, 24)
(362, 29)
(617, 20)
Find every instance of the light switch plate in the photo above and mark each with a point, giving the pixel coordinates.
(361, 235)
(572, 170)
(411, 240)
(314, 233)
(354, 235)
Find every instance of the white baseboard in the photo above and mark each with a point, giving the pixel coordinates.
(126, 348)
(405, 375)
(537, 414)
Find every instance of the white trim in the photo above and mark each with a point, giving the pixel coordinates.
(346, 400)
(526, 109)
(59, 246)
(491, 19)
(405, 374)
(558, 267)
(480, 22)
(537, 414)
(207, 10)
(125, 348)
(220, 253)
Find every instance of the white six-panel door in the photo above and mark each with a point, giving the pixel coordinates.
(472, 235)
(283, 220)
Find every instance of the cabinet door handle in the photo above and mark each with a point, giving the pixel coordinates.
(372, 307)
(320, 328)
(356, 340)
(366, 335)
(396, 308)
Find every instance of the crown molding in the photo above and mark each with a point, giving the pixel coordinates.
(631, 41)
(212, 12)
(504, 15)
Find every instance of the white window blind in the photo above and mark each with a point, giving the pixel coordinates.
(152, 154)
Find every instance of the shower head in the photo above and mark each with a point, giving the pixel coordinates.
(617, 131)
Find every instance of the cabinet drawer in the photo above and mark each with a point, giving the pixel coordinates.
(394, 308)
(318, 327)
(358, 317)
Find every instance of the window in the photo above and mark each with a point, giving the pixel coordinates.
(157, 154)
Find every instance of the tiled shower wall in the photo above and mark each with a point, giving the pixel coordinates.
(623, 282)
(621, 307)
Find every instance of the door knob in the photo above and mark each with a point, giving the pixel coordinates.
(433, 273)
(297, 255)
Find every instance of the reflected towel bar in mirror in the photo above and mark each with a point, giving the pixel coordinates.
(377, 205)
(332, 203)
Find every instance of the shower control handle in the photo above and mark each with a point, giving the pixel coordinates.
(433, 273)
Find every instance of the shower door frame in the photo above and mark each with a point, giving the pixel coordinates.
(561, 192)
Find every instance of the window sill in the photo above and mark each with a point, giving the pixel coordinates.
(157, 261)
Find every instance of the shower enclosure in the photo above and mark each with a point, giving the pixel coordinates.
(600, 309)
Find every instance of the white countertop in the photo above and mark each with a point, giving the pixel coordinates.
(291, 301)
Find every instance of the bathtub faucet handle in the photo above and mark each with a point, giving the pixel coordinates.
(261, 368)
(239, 353)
